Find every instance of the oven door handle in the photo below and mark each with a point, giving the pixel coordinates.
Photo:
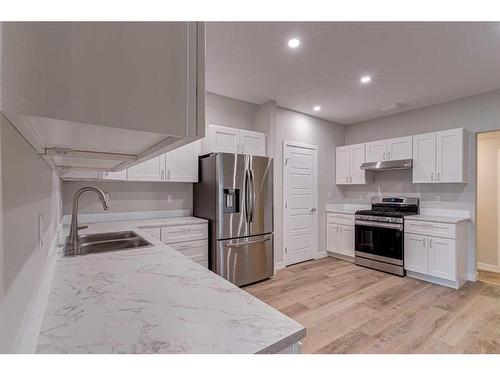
(379, 225)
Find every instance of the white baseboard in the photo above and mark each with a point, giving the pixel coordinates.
(27, 337)
(321, 254)
(472, 276)
(488, 267)
(279, 266)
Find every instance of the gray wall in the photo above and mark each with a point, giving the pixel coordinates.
(129, 196)
(28, 188)
(298, 127)
(225, 111)
(477, 113)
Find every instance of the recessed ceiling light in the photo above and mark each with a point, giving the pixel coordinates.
(365, 79)
(293, 43)
(317, 108)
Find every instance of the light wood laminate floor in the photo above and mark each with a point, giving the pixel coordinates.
(350, 309)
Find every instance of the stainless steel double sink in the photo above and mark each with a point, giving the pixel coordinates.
(112, 241)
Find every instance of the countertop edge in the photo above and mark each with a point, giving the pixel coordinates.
(284, 343)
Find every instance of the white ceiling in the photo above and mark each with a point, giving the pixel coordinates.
(416, 64)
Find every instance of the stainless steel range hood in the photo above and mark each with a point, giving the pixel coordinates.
(385, 165)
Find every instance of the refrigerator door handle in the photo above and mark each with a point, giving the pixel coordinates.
(252, 198)
(239, 244)
(247, 197)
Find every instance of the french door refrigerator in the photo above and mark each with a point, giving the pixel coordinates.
(235, 193)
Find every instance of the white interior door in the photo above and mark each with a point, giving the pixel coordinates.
(300, 217)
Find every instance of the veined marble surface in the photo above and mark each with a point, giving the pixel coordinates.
(154, 300)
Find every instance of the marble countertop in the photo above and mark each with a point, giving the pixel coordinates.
(346, 208)
(437, 218)
(154, 300)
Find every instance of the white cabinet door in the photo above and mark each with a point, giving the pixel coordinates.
(442, 258)
(253, 143)
(450, 156)
(356, 158)
(416, 255)
(376, 151)
(223, 139)
(333, 238)
(182, 163)
(116, 176)
(346, 240)
(342, 169)
(424, 157)
(150, 170)
(399, 148)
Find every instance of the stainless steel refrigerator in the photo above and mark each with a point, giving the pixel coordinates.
(235, 193)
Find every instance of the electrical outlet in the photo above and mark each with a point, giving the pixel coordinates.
(170, 199)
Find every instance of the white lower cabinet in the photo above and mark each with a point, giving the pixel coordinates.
(340, 236)
(190, 239)
(434, 258)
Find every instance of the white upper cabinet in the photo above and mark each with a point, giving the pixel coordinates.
(440, 157)
(232, 140)
(424, 157)
(223, 139)
(348, 163)
(342, 170)
(451, 156)
(150, 170)
(399, 148)
(375, 151)
(357, 157)
(389, 149)
(182, 163)
(114, 176)
(253, 143)
(101, 94)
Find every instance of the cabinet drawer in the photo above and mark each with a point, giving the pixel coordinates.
(196, 250)
(334, 218)
(430, 228)
(183, 233)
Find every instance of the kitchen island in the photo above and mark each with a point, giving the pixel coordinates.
(155, 300)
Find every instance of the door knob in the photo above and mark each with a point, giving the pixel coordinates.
(313, 210)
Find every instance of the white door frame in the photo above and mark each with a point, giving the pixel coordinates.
(285, 189)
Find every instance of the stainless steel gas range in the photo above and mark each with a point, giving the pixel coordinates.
(379, 233)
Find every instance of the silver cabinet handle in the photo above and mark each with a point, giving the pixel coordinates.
(432, 176)
(389, 155)
(168, 175)
(430, 243)
(423, 241)
(347, 179)
(350, 179)
(438, 176)
(162, 175)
